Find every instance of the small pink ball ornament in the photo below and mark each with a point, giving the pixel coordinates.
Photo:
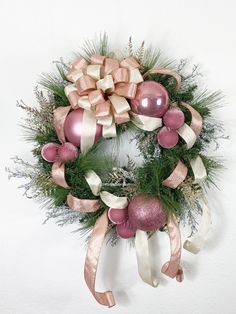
(118, 216)
(126, 230)
(146, 213)
(174, 118)
(73, 127)
(49, 152)
(67, 152)
(167, 138)
(151, 100)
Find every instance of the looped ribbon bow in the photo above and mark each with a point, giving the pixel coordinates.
(103, 86)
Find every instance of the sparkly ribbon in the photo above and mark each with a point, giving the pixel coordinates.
(104, 78)
(177, 176)
(172, 268)
(58, 174)
(143, 258)
(196, 244)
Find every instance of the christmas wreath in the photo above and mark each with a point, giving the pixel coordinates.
(95, 100)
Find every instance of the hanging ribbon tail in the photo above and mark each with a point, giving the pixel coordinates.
(58, 174)
(92, 258)
(196, 244)
(172, 268)
(59, 117)
(165, 72)
(143, 259)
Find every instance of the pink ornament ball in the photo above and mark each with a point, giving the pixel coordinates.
(74, 125)
(174, 118)
(118, 216)
(67, 152)
(151, 100)
(167, 138)
(49, 152)
(125, 230)
(146, 213)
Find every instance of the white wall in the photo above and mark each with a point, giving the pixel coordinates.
(41, 267)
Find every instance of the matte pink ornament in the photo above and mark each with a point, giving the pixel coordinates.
(49, 152)
(167, 137)
(174, 118)
(73, 127)
(146, 213)
(67, 152)
(126, 230)
(151, 100)
(118, 216)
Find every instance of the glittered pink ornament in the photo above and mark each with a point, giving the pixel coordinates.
(151, 100)
(174, 118)
(126, 230)
(146, 213)
(49, 152)
(67, 152)
(73, 127)
(118, 216)
(167, 137)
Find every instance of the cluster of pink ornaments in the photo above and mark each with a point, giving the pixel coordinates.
(152, 100)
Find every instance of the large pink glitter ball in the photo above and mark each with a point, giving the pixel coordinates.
(73, 127)
(125, 230)
(151, 100)
(174, 118)
(146, 213)
(49, 152)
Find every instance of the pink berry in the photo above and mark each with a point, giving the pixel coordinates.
(67, 152)
(167, 138)
(174, 118)
(125, 230)
(118, 216)
(49, 152)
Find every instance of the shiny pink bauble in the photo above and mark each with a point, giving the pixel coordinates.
(125, 230)
(49, 152)
(73, 127)
(118, 216)
(174, 118)
(151, 100)
(67, 152)
(146, 213)
(167, 138)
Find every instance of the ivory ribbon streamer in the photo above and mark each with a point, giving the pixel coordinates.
(165, 72)
(92, 258)
(58, 174)
(177, 176)
(144, 122)
(88, 131)
(188, 135)
(196, 121)
(196, 244)
(199, 169)
(109, 199)
(143, 259)
(172, 268)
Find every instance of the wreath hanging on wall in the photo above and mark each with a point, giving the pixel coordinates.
(93, 101)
